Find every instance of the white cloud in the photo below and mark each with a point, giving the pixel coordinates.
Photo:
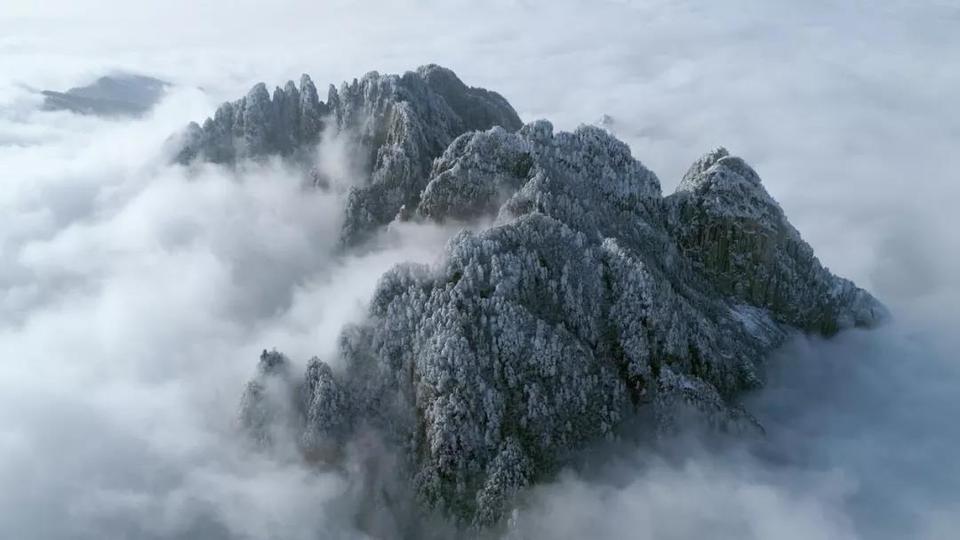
(135, 297)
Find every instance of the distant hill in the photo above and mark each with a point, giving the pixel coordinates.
(112, 95)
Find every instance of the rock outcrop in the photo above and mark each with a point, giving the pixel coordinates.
(737, 236)
(591, 298)
(257, 125)
(398, 123)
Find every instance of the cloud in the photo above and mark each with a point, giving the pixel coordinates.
(857, 445)
(703, 496)
(135, 296)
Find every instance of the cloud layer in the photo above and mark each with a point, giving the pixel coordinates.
(135, 297)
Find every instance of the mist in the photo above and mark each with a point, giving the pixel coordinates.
(137, 295)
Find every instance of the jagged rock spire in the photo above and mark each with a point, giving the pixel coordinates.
(738, 237)
(311, 111)
(403, 123)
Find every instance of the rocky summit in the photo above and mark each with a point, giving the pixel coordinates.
(591, 298)
(402, 122)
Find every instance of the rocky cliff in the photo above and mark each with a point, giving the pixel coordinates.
(399, 122)
(592, 297)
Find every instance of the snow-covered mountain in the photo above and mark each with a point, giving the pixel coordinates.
(590, 299)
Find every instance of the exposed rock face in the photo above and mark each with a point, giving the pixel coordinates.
(401, 123)
(591, 298)
(737, 235)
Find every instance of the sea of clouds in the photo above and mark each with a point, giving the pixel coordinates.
(135, 297)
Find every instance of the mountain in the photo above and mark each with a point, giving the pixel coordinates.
(121, 94)
(591, 299)
(401, 122)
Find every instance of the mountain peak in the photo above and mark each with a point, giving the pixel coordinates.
(590, 299)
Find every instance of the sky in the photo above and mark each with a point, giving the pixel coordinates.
(135, 297)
